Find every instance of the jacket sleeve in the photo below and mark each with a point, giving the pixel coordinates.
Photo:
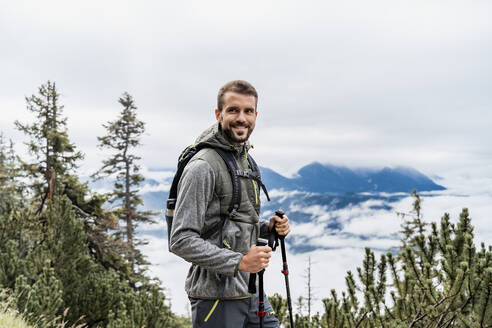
(195, 192)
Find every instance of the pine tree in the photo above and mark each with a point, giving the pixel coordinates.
(56, 258)
(279, 305)
(414, 225)
(123, 137)
(5, 174)
(42, 297)
(55, 157)
(309, 288)
(438, 280)
(52, 171)
(11, 189)
(48, 267)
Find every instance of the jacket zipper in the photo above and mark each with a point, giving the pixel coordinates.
(256, 192)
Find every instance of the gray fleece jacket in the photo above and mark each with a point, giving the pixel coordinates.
(204, 194)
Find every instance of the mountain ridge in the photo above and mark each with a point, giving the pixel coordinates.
(328, 178)
(317, 178)
(324, 196)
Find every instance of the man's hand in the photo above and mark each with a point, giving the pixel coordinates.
(256, 259)
(281, 225)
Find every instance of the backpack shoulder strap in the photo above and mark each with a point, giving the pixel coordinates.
(231, 164)
(256, 175)
(183, 160)
(232, 167)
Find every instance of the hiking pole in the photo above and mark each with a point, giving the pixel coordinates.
(285, 270)
(261, 302)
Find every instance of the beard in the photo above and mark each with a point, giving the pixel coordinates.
(233, 138)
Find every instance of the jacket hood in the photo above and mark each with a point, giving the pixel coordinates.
(213, 137)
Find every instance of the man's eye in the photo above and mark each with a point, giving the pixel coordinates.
(232, 110)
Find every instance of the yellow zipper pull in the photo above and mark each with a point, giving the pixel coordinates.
(226, 244)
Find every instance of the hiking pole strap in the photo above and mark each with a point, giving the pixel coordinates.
(274, 236)
(252, 283)
(281, 214)
(273, 239)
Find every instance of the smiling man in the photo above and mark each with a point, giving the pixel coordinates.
(216, 226)
(237, 120)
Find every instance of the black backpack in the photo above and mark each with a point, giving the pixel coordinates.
(235, 174)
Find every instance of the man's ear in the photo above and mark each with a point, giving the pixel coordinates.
(217, 114)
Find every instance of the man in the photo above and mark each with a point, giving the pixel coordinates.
(217, 282)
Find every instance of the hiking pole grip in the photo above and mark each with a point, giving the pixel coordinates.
(252, 276)
(261, 242)
(280, 214)
(285, 269)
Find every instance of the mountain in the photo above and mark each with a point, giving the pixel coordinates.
(317, 178)
(326, 196)
(321, 178)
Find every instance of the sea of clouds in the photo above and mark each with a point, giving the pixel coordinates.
(336, 251)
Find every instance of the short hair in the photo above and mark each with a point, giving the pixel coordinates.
(238, 86)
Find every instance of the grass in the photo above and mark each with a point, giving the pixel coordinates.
(10, 318)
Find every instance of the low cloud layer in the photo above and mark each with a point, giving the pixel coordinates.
(343, 250)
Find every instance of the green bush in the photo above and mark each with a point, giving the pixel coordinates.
(436, 278)
(49, 268)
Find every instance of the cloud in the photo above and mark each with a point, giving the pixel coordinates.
(319, 213)
(158, 174)
(378, 223)
(341, 241)
(338, 251)
(155, 188)
(307, 231)
(329, 269)
(356, 83)
(366, 84)
(170, 269)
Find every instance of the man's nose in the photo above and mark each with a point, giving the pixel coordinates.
(241, 117)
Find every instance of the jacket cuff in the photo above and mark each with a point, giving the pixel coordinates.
(236, 268)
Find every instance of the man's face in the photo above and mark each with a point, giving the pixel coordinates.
(238, 117)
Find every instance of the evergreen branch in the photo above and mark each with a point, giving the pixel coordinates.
(81, 211)
(388, 311)
(42, 202)
(417, 318)
(487, 299)
(359, 322)
(424, 288)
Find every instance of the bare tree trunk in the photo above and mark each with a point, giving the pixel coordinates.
(129, 216)
(51, 184)
(309, 295)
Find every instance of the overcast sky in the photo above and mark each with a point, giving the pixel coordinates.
(361, 83)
